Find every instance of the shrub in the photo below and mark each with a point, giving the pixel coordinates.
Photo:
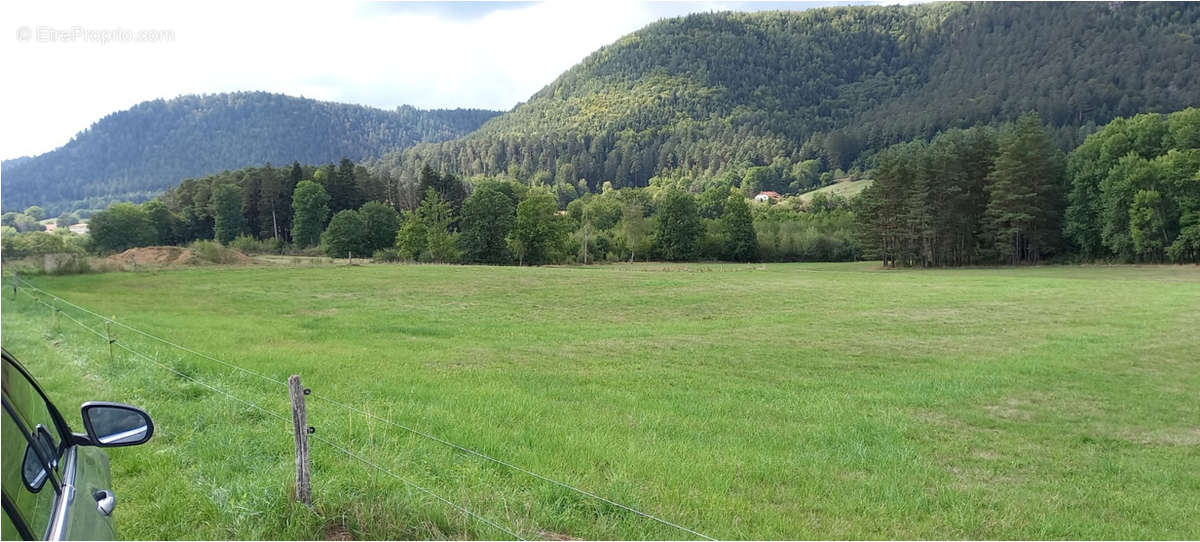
(250, 245)
(213, 252)
(20, 245)
(390, 255)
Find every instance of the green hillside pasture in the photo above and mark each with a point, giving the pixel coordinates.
(845, 189)
(777, 401)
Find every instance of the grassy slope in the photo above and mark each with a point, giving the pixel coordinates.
(847, 189)
(795, 401)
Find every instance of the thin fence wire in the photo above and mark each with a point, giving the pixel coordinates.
(160, 339)
(334, 445)
(517, 468)
(415, 486)
(417, 432)
(117, 344)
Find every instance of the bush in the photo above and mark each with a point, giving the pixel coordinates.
(67, 264)
(52, 264)
(250, 245)
(20, 245)
(1186, 247)
(214, 252)
(389, 255)
(807, 237)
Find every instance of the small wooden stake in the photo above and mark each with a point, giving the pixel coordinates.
(108, 336)
(300, 432)
(16, 282)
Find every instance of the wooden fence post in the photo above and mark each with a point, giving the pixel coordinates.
(16, 282)
(300, 432)
(108, 337)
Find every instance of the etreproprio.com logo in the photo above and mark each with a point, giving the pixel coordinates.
(83, 34)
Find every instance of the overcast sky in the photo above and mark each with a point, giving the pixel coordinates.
(66, 66)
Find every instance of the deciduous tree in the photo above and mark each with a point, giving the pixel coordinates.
(539, 233)
(120, 227)
(380, 224)
(310, 208)
(346, 235)
(488, 216)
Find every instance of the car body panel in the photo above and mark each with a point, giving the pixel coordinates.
(87, 474)
(73, 499)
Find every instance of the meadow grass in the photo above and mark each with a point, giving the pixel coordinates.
(743, 401)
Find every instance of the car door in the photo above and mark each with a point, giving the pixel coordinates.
(29, 492)
(61, 491)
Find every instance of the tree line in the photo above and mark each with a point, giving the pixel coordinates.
(1129, 193)
(345, 211)
(983, 195)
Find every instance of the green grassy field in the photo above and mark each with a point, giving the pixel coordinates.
(769, 401)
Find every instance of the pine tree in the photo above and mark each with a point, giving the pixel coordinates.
(679, 228)
(251, 199)
(272, 204)
(1024, 209)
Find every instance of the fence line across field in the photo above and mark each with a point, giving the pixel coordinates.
(414, 486)
(28, 285)
(159, 339)
(228, 395)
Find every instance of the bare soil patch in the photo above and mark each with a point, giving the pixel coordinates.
(338, 532)
(165, 256)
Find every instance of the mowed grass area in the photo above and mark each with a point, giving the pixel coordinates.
(845, 189)
(742, 401)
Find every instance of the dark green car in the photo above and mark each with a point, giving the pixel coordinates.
(56, 482)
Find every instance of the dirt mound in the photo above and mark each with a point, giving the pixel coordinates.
(174, 256)
(156, 256)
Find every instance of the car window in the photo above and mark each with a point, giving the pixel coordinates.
(33, 413)
(8, 529)
(33, 507)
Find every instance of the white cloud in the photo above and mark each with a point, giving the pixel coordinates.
(329, 51)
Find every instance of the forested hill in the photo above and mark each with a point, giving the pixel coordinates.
(135, 154)
(800, 93)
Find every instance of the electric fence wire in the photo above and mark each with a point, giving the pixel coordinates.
(160, 339)
(517, 468)
(423, 434)
(117, 344)
(415, 486)
(334, 445)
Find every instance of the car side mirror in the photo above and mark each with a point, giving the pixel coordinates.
(116, 424)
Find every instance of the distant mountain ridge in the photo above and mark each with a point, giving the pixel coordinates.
(137, 153)
(717, 93)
